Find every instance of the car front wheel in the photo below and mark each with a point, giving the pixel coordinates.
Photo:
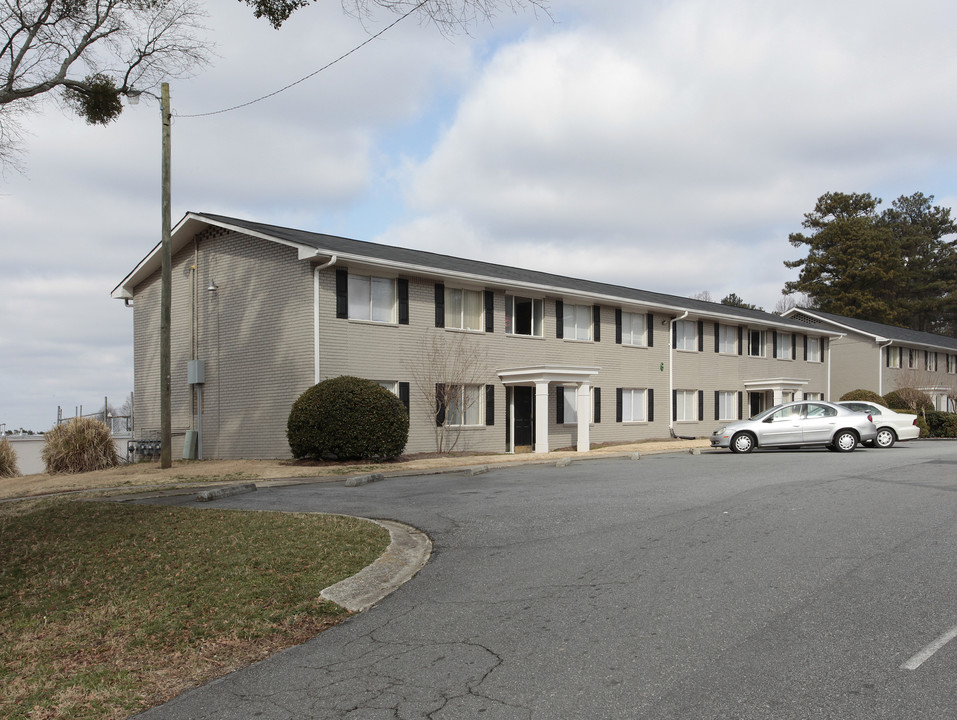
(885, 438)
(742, 443)
(845, 441)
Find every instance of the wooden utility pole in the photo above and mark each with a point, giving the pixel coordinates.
(166, 255)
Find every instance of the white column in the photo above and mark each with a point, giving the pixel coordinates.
(584, 415)
(541, 417)
(778, 396)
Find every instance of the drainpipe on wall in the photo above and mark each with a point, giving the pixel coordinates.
(671, 373)
(315, 305)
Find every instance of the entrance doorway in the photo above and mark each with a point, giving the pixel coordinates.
(756, 402)
(524, 401)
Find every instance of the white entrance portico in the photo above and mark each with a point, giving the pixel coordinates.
(779, 390)
(541, 377)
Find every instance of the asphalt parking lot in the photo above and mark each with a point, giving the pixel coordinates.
(782, 584)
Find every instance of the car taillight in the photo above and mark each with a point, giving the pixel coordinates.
(915, 421)
(869, 418)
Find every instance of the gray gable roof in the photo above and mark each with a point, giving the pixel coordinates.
(429, 262)
(879, 331)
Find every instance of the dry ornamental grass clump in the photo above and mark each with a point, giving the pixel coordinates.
(8, 460)
(79, 445)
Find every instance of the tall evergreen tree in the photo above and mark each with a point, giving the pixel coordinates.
(896, 267)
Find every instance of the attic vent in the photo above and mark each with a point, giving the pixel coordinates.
(807, 320)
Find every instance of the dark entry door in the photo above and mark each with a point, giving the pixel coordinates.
(524, 420)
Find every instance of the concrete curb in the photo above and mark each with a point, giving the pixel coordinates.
(408, 552)
(223, 492)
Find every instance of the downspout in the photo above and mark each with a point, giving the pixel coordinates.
(880, 366)
(671, 375)
(315, 305)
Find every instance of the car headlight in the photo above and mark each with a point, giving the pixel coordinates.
(720, 431)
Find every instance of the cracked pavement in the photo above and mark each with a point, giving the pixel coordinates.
(777, 585)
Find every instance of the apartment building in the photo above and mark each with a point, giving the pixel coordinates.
(260, 313)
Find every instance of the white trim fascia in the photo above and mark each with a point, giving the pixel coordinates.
(848, 328)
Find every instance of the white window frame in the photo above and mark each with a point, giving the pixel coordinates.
(632, 400)
(814, 396)
(537, 319)
(370, 288)
(728, 339)
(686, 406)
(952, 364)
(727, 405)
(894, 358)
(456, 304)
(815, 349)
(785, 347)
(628, 334)
(762, 342)
(391, 385)
(913, 361)
(930, 361)
(686, 335)
(576, 322)
(458, 411)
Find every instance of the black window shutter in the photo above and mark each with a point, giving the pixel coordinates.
(805, 348)
(440, 404)
(674, 404)
(439, 305)
(559, 319)
(717, 400)
(596, 322)
(619, 402)
(740, 405)
(651, 405)
(618, 326)
(402, 291)
(651, 330)
(701, 336)
(740, 340)
(674, 335)
(717, 335)
(794, 346)
(774, 343)
(489, 311)
(342, 293)
(597, 401)
(701, 405)
(404, 395)
(509, 393)
(887, 358)
(489, 404)
(560, 406)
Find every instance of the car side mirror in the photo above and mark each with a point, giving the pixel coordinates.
(768, 419)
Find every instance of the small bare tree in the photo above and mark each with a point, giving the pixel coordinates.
(450, 377)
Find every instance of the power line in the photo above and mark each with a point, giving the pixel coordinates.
(310, 75)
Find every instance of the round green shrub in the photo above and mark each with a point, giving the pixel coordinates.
(8, 460)
(909, 399)
(942, 424)
(347, 418)
(79, 445)
(863, 396)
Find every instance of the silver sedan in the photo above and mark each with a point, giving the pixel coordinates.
(811, 422)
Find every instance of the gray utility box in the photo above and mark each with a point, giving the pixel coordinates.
(196, 372)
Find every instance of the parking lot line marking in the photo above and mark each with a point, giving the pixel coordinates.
(925, 654)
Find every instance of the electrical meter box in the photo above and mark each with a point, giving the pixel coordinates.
(196, 372)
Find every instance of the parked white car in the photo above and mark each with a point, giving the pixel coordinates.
(891, 426)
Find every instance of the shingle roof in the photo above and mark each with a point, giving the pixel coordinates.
(881, 331)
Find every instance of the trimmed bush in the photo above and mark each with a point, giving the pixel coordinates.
(942, 424)
(347, 418)
(8, 460)
(863, 396)
(909, 399)
(79, 445)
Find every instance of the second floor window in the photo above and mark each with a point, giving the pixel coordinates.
(524, 316)
(783, 351)
(756, 343)
(371, 298)
(686, 335)
(633, 329)
(463, 309)
(576, 322)
(814, 349)
(727, 339)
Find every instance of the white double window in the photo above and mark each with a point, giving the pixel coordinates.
(727, 339)
(524, 316)
(371, 298)
(726, 405)
(634, 329)
(686, 335)
(757, 341)
(463, 309)
(686, 405)
(463, 405)
(576, 322)
(633, 405)
(783, 351)
(814, 352)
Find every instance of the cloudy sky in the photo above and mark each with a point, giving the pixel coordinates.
(664, 145)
